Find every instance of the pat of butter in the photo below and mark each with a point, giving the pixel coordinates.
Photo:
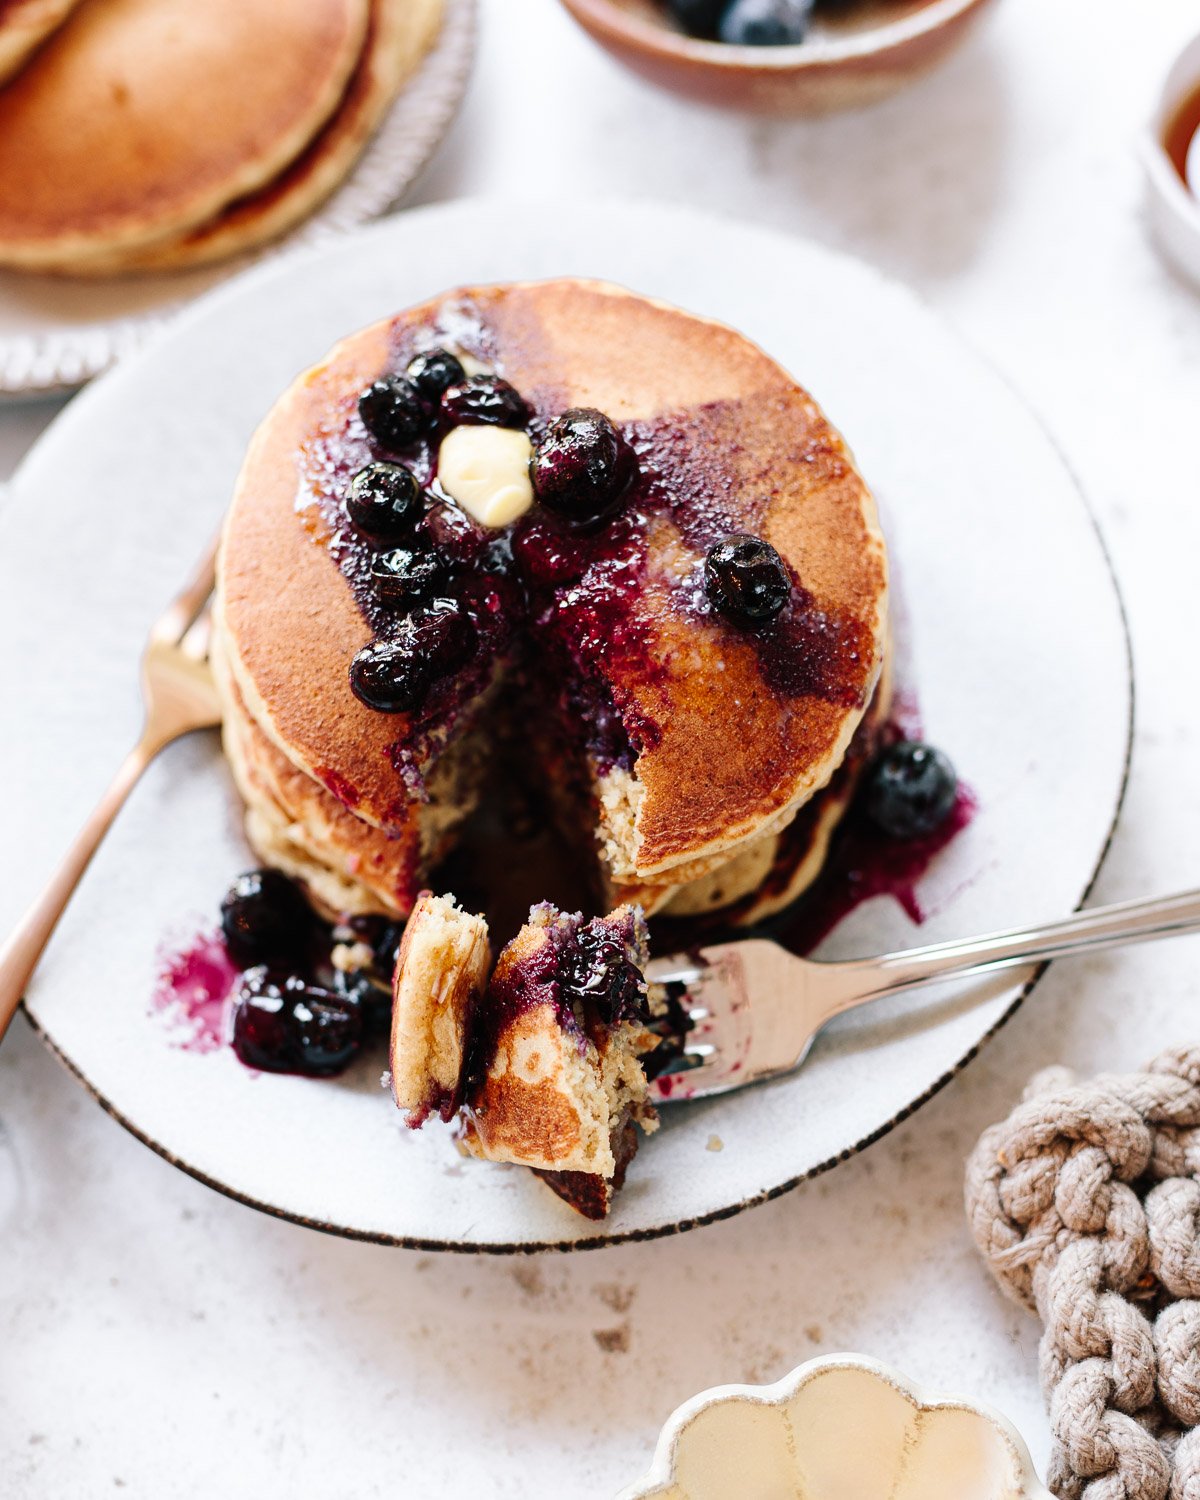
(486, 469)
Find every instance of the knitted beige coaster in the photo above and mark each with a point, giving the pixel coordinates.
(1085, 1203)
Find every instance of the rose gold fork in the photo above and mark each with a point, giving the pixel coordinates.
(178, 692)
(751, 1010)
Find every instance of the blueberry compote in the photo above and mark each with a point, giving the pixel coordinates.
(292, 993)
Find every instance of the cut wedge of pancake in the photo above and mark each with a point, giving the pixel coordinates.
(139, 119)
(24, 26)
(546, 1062)
(399, 34)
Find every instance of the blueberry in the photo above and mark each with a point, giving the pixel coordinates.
(765, 23)
(434, 371)
(385, 500)
(746, 580)
(596, 970)
(373, 999)
(282, 1024)
(264, 917)
(388, 676)
(394, 675)
(484, 400)
(912, 790)
(698, 17)
(404, 578)
(394, 411)
(582, 466)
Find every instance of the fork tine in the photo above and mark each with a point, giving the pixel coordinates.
(673, 971)
(171, 626)
(197, 636)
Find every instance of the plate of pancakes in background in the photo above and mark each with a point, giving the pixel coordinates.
(924, 509)
(147, 150)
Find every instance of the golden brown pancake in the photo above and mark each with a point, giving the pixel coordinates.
(399, 34)
(721, 735)
(546, 1064)
(140, 119)
(24, 26)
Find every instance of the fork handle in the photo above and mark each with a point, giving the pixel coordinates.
(1085, 932)
(20, 954)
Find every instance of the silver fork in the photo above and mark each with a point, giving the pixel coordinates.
(178, 693)
(755, 1009)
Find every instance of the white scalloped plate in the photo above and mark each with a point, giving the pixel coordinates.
(56, 333)
(1020, 656)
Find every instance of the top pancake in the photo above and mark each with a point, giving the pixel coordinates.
(732, 733)
(140, 119)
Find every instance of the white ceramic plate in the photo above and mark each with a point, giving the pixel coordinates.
(56, 332)
(1020, 654)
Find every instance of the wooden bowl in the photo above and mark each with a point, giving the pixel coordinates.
(859, 54)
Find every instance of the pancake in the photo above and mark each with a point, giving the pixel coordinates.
(140, 120)
(691, 739)
(24, 26)
(546, 1064)
(441, 975)
(399, 34)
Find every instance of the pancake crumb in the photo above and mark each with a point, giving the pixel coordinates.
(714, 1143)
(613, 1340)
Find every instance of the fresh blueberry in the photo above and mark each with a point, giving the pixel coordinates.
(404, 578)
(698, 17)
(385, 501)
(389, 676)
(912, 790)
(394, 411)
(766, 23)
(582, 466)
(281, 1024)
(484, 400)
(746, 580)
(435, 371)
(264, 917)
(596, 970)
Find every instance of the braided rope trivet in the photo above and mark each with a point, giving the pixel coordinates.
(1086, 1204)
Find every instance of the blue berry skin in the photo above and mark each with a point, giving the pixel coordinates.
(435, 371)
(746, 580)
(766, 23)
(283, 1024)
(405, 577)
(484, 401)
(582, 465)
(699, 18)
(912, 790)
(394, 412)
(385, 501)
(264, 917)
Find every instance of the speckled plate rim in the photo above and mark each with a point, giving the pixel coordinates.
(684, 1224)
(821, 52)
(61, 359)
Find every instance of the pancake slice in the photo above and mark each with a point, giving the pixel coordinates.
(549, 1062)
(24, 26)
(140, 119)
(399, 35)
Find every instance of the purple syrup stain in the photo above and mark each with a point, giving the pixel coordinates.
(193, 990)
(863, 864)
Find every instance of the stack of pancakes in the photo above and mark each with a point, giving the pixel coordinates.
(144, 135)
(728, 736)
(543, 1079)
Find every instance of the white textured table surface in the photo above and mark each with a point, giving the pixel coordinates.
(160, 1341)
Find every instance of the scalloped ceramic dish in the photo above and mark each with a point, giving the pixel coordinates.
(856, 55)
(842, 1428)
